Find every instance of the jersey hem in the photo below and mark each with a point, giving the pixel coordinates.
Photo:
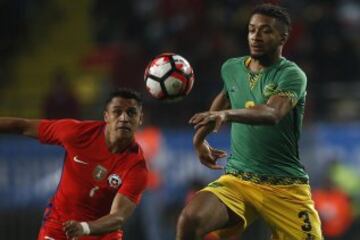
(265, 179)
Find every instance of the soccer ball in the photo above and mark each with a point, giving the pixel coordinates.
(169, 76)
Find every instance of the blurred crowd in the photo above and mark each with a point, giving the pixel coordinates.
(126, 35)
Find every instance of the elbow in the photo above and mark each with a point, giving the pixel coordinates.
(274, 119)
(119, 223)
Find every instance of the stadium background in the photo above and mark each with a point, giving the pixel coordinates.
(61, 58)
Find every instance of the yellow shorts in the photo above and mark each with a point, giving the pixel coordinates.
(287, 209)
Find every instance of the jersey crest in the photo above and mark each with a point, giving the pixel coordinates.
(99, 172)
(269, 90)
(114, 181)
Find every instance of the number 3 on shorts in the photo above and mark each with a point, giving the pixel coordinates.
(307, 224)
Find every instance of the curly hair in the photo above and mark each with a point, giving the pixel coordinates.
(275, 11)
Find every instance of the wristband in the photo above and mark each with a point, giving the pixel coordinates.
(85, 228)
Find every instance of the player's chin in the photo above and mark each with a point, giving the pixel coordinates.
(257, 54)
(124, 133)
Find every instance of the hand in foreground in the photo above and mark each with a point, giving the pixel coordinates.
(209, 155)
(204, 118)
(73, 229)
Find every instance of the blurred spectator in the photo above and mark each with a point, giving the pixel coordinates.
(347, 178)
(334, 208)
(337, 202)
(60, 101)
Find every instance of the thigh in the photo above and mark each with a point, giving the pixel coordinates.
(232, 193)
(210, 213)
(291, 214)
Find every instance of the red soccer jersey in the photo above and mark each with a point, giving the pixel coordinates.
(92, 175)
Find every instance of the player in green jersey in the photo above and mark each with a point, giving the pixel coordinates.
(263, 99)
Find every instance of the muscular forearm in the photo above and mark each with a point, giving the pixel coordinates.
(220, 102)
(121, 210)
(201, 134)
(257, 115)
(11, 125)
(19, 126)
(106, 224)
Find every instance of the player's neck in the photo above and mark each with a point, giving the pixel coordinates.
(258, 64)
(117, 144)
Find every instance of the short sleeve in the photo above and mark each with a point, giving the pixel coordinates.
(135, 182)
(292, 83)
(225, 71)
(56, 131)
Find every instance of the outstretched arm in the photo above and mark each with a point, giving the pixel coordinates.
(122, 208)
(22, 126)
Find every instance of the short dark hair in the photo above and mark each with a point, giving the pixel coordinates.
(125, 93)
(275, 11)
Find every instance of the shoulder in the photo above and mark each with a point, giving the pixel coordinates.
(82, 128)
(138, 152)
(59, 122)
(288, 67)
(76, 130)
(71, 123)
(137, 156)
(85, 132)
(88, 126)
(231, 62)
(67, 130)
(59, 127)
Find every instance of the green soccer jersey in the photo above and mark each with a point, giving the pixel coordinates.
(262, 149)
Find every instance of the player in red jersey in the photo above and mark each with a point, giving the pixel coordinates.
(104, 171)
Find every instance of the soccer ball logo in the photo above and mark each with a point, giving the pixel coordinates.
(114, 181)
(169, 77)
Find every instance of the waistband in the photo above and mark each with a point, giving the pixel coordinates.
(271, 180)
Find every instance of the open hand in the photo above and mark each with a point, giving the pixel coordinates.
(208, 155)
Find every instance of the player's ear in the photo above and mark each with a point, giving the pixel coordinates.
(141, 118)
(284, 37)
(106, 116)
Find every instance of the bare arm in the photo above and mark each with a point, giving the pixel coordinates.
(270, 113)
(22, 126)
(221, 102)
(264, 114)
(207, 154)
(122, 208)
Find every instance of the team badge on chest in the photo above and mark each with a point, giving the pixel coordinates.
(99, 172)
(114, 181)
